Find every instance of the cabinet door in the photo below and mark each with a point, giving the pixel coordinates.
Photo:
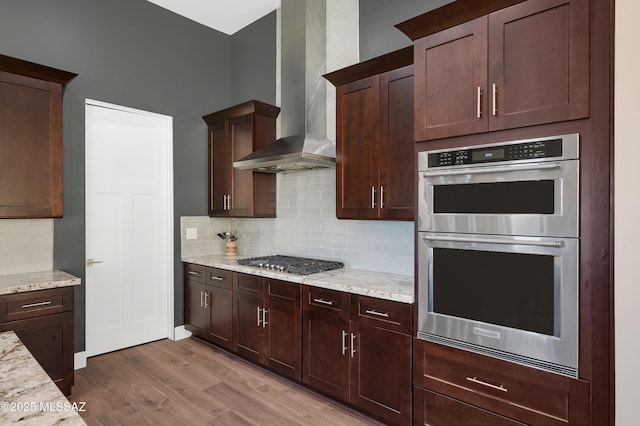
(248, 316)
(539, 62)
(220, 316)
(284, 328)
(30, 147)
(450, 82)
(433, 409)
(49, 338)
(356, 156)
(219, 168)
(241, 133)
(195, 314)
(396, 196)
(381, 372)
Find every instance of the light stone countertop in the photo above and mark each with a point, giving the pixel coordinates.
(27, 395)
(368, 283)
(31, 281)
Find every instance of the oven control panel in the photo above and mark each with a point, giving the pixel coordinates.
(548, 148)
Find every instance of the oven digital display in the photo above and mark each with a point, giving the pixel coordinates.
(487, 155)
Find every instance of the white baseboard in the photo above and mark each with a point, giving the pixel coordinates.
(180, 333)
(79, 360)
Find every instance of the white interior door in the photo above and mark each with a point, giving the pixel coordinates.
(129, 221)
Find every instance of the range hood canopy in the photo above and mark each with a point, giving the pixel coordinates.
(303, 116)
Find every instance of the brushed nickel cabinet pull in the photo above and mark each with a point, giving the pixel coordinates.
(344, 342)
(264, 317)
(228, 201)
(353, 344)
(380, 314)
(33, 305)
(193, 273)
(206, 299)
(489, 385)
(324, 302)
(259, 316)
(495, 107)
(213, 277)
(381, 196)
(373, 197)
(478, 100)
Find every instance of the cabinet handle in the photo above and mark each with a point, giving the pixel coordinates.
(259, 316)
(495, 91)
(380, 314)
(206, 299)
(381, 196)
(344, 342)
(228, 201)
(324, 302)
(264, 317)
(213, 277)
(489, 385)
(193, 273)
(373, 197)
(33, 305)
(201, 299)
(478, 100)
(353, 344)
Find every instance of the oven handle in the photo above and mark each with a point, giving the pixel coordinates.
(501, 169)
(556, 243)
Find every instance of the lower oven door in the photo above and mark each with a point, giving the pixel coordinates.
(514, 298)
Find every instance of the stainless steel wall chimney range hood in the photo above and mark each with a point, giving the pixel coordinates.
(303, 95)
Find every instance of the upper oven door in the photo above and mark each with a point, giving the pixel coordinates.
(532, 198)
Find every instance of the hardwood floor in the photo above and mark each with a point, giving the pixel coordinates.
(189, 382)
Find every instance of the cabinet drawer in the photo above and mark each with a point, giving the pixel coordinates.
(523, 393)
(331, 302)
(196, 272)
(35, 303)
(433, 409)
(386, 314)
(219, 278)
(248, 283)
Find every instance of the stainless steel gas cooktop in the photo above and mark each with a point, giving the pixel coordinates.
(291, 264)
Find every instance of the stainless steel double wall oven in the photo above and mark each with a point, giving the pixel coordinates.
(498, 250)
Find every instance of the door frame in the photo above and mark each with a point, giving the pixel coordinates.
(168, 120)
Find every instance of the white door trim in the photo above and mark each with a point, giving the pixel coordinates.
(170, 212)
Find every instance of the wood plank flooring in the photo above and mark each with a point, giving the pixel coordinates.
(189, 382)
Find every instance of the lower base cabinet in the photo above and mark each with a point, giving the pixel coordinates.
(358, 349)
(43, 320)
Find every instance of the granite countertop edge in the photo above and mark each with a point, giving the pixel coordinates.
(33, 281)
(382, 285)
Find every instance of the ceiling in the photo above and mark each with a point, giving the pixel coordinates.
(227, 16)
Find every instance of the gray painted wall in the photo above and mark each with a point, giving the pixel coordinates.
(136, 54)
(378, 35)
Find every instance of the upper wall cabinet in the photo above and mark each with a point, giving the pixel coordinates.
(234, 133)
(518, 66)
(30, 139)
(374, 138)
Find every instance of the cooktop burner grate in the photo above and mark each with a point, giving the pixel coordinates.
(291, 264)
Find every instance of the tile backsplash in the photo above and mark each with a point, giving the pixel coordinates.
(306, 226)
(26, 245)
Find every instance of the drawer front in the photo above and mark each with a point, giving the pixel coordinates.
(248, 283)
(386, 314)
(433, 409)
(195, 272)
(510, 389)
(219, 278)
(35, 303)
(331, 302)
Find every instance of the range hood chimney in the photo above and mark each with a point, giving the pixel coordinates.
(303, 95)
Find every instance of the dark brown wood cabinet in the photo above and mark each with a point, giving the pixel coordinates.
(518, 66)
(234, 133)
(43, 320)
(30, 139)
(208, 304)
(520, 393)
(267, 323)
(358, 349)
(374, 132)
